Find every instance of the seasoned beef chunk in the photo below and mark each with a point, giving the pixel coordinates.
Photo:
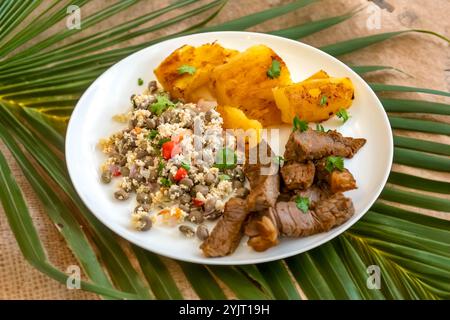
(264, 180)
(264, 194)
(314, 145)
(298, 175)
(293, 222)
(333, 211)
(315, 193)
(262, 230)
(322, 216)
(338, 181)
(227, 233)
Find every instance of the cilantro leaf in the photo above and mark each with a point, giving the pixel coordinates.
(279, 160)
(302, 204)
(165, 182)
(320, 128)
(274, 70)
(186, 166)
(160, 166)
(140, 82)
(153, 133)
(334, 163)
(162, 141)
(161, 104)
(323, 100)
(187, 69)
(342, 114)
(300, 124)
(225, 159)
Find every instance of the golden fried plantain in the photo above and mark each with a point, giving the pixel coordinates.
(186, 86)
(315, 99)
(244, 82)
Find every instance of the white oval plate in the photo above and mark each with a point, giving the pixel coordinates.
(110, 94)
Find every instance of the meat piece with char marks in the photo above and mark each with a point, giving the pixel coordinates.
(228, 231)
(298, 175)
(314, 145)
(263, 178)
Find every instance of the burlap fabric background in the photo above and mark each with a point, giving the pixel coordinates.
(423, 57)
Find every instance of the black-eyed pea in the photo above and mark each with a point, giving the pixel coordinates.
(186, 230)
(121, 195)
(202, 232)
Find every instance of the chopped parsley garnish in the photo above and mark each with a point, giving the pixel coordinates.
(300, 125)
(302, 204)
(187, 69)
(320, 128)
(224, 177)
(186, 166)
(161, 104)
(323, 100)
(140, 82)
(279, 160)
(226, 159)
(334, 163)
(162, 141)
(343, 114)
(160, 166)
(153, 133)
(165, 182)
(274, 70)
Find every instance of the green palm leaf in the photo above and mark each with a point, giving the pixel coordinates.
(419, 125)
(348, 46)
(306, 29)
(280, 284)
(242, 285)
(22, 226)
(202, 281)
(389, 238)
(157, 275)
(415, 199)
(421, 159)
(419, 183)
(415, 106)
(40, 83)
(387, 87)
(121, 271)
(259, 17)
(366, 69)
(421, 145)
(67, 225)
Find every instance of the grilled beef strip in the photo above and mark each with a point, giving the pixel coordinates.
(321, 217)
(314, 145)
(338, 181)
(228, 231)
(264, 180)
(264, 194)
(298, 175)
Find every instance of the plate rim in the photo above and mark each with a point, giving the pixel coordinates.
(218, 261)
